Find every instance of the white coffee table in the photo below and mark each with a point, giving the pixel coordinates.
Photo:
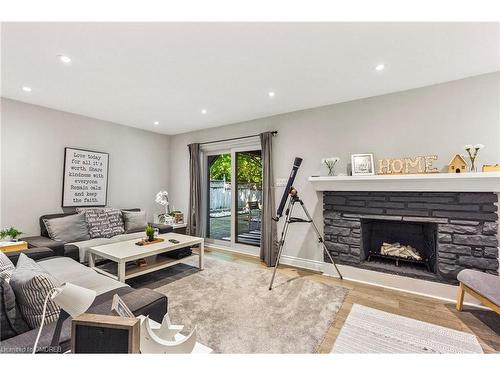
(127, 251)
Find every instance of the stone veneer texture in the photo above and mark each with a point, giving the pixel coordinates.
(467, 225)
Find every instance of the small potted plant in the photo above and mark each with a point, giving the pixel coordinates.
(11, 232)
(150, 232)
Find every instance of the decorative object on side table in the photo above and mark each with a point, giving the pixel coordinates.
(11, 232)
(408, 165)
(330, 164)
(362, 165)
(457, 165)
(162, 198)
(178, 217)
(473, 152)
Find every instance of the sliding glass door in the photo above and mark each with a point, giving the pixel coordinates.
(248, 197)
(233, 196)
(219, 196)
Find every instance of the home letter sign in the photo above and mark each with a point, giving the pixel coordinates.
(419, 164)
(85, 179)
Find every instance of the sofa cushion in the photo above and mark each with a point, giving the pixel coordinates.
(31, 284)
(128, 236)
(6, 267)
(483, 283)
(35, 253)
(70, 228)
(67, 270)
(12, 322)
(83, 246)
(134, 221)
(43, 228)
(103, 222)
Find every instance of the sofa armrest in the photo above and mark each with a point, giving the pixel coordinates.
(163, 228)
(40, 241)
(36, 253)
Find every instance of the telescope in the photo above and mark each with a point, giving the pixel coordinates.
(291, 192)
(288, 190)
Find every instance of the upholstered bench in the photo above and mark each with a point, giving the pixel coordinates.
(482, 286)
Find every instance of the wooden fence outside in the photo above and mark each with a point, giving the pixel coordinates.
(220, 195)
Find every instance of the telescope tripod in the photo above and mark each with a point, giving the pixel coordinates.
(294, 198)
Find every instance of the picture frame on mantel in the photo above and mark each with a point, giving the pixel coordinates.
(85, 178)
(362, 165)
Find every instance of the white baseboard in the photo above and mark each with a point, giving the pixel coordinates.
(313, 265)
(229, 249)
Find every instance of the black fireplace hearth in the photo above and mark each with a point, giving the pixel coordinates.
(451, 231)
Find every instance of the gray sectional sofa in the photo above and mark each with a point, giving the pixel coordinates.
(60, 251)
(65, 269)
(77, 250)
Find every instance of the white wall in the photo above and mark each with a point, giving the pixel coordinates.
(437, 120)
(32, 150)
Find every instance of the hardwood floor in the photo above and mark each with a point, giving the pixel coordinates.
(484, 324)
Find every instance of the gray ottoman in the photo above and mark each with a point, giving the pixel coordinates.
(480, 285)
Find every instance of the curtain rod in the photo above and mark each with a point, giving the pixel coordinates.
(274, 132)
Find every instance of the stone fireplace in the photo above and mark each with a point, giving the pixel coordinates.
(449, 231)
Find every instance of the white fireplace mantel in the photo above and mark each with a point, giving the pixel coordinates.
(443, 182)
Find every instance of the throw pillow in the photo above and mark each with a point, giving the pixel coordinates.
(12, 323)
(6, 267)
(135, 221)
(103, 222)
(31, 284)
(71, 228)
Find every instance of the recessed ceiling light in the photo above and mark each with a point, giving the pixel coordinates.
(380, 67)
(26, 88)
(204, 111)
(64, 59)
(156, 123)
(271, 94)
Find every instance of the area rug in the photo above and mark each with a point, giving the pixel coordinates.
(236, 313)
(368, 330)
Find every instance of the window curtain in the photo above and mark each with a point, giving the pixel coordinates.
(269, 236)
(194, 215)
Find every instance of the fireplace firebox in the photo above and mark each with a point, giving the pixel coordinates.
(416, 242)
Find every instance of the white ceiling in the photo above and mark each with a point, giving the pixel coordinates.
(138, 73)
